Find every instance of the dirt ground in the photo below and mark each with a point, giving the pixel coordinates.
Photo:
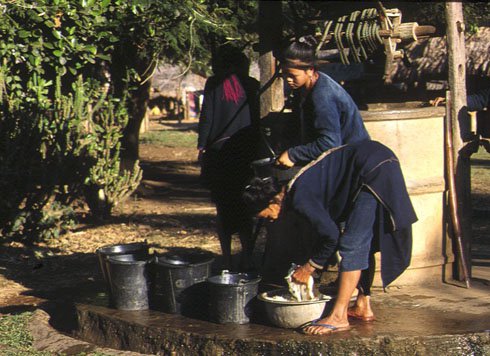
(170, 210)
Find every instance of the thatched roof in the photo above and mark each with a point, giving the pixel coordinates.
(168, 80)
(429, 58)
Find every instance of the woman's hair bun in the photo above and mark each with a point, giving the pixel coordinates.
(309, 40)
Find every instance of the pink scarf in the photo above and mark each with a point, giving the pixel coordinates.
(232, 89)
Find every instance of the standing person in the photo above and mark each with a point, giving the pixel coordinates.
(478, 101)
(228, 132)
(475, 102)
(362, 185)
(328, 115)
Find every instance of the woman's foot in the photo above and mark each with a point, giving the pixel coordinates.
(362, 309)
(356, 314)
(326, 326)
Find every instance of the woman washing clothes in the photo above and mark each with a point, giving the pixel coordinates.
(363, 185)
(328, 115)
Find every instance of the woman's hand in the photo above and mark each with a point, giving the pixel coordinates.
(437, 101)
(200, 155)
(284, 160)
(303, 273)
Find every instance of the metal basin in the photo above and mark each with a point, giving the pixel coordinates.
(291, 314)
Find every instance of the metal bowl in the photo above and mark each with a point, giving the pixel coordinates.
(291, 314)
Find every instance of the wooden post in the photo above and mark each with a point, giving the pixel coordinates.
(280, 249)
(461, 124)
(270, 36)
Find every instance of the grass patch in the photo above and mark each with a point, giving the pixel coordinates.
(15, 338)
(480, 196)
(169, 138)
(480, 171)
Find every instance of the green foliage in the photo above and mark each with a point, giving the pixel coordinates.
(13, 331)
(49, 153)
(37, 157)
(53, 37)
(127, 39)
(240, 28)
(60, 134)
(109, 184)
(81, 37)
(44, 224)
(181, 32)
(476, 14)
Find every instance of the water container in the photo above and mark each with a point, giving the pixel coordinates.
(231, 297)
(267, 167)
(178, 283)
(128, 281)
(138, 249)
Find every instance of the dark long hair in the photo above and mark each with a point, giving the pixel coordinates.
(299, 55)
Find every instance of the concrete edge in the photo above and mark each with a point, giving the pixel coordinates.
(117, 333)
(46, 338)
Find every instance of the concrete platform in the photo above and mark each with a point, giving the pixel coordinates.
(443, 319)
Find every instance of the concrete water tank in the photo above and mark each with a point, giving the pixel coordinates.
(415, 133)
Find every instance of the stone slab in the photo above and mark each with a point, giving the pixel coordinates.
(443, 319)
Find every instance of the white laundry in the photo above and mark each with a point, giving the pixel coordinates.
(300, 292)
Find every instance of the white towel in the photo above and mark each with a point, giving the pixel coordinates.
(300, 292)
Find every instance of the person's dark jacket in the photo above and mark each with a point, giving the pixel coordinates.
(479, 101)
(220, 119)
(228, 134)
(329, 118)
(325, 190)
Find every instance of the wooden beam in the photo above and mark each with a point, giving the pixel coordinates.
(461, 123)
(270, 36)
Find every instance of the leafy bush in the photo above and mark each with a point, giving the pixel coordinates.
(107, 183)
(74, 80)
(50, 156)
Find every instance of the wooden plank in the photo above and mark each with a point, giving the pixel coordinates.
(461, 124)
(270, 35)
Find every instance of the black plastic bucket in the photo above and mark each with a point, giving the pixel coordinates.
(178, 283)
(138, 249)
(128, 281)
(231, 297)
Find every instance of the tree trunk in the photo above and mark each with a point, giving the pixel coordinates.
(137, 110)
(136, 94)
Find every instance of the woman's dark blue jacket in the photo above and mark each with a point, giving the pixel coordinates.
(329, 118)
(324, 191)
(479, 101)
